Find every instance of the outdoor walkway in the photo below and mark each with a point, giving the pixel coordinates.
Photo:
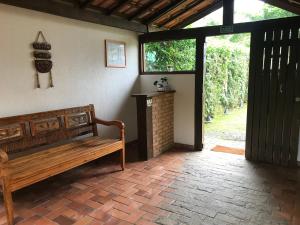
(176, 188)
(227, 130)
(211, 142)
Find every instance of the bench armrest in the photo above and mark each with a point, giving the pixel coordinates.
(3, 161)
(116, 123)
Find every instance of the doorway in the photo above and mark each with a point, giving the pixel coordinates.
(226, 93)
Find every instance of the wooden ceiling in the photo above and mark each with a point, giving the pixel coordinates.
(137, 15)
(170, 14)
(165, 14)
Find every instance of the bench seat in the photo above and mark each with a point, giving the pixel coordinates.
(32, 168)
(31, 148)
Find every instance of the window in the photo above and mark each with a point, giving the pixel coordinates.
(170, 56)
(257, 10)
(254, 10)
(213, 19)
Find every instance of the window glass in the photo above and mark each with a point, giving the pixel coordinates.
(244, 11)
(257, 10)
(170, 56)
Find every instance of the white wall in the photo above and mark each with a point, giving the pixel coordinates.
(184, 104)
(80, 76)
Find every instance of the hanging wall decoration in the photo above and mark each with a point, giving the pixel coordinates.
(42, 58)
(115, 54)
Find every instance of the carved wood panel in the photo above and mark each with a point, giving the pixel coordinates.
(23, 132)
(42, 126)
(11, 132)
(77, 120)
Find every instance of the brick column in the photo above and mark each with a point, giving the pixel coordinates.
(155, 115)
(163, 123)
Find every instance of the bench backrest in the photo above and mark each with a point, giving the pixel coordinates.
(19, 133)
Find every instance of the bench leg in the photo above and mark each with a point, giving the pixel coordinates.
(8, 202)
(122, 158)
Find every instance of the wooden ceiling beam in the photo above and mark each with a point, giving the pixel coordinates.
(85, 4)
(193, 33)
(228, 12)
(164, 11)
(69, 11)
(193, 18)
(284, 5)
(121, 4)
(181, 12)
(143, 9)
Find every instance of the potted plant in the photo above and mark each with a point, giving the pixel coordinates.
(162, 84)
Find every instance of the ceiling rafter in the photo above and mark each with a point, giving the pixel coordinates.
(85, 4)
(181, 12)
(137, 15)
(69, 11)
(164, 11)
(143, 9)
(121, 4)
(98, 2)
(193, 18)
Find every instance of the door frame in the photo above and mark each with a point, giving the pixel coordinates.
(200, 34)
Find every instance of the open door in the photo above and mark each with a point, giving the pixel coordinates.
(274, 91)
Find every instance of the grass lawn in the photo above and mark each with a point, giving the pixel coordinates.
(233, 122)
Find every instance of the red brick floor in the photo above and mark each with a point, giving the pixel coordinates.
(178, 187)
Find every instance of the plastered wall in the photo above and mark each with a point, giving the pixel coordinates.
(183, 104)
(79, 71)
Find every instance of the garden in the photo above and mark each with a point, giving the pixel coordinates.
(227, 65)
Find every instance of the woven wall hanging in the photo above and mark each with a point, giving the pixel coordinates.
(42, 58)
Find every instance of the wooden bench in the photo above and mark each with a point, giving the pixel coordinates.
(35, 135)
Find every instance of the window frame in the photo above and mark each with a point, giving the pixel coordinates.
(142, 61)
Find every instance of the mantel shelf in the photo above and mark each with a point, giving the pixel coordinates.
(152, 94)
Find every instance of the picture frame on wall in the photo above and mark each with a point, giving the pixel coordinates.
(115, 54)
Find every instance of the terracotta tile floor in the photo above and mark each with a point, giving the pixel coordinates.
(179, 187)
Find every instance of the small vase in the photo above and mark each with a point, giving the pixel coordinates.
(160, 89)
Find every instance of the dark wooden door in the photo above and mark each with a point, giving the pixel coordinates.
(274, 91)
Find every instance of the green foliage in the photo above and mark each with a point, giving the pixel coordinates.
(270, 12)
(227, 65)
(226, 79)
(226, 76)
(170, 55)
(240, 39)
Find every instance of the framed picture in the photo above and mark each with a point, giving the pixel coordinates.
(115, 54)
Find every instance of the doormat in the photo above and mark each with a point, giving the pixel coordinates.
(236, 151)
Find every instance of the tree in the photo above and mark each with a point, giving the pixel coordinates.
(170, 55)
(270, 12)
(226, 79)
